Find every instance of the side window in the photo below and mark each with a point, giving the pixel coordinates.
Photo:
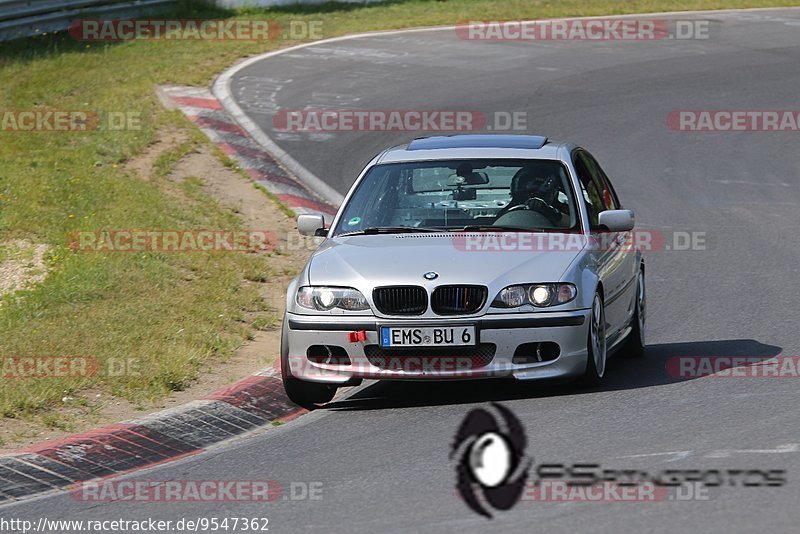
(589, 189)
(608, 195)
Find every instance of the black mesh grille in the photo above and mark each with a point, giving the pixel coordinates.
(455, 300)
(435, 358)
(400, 300)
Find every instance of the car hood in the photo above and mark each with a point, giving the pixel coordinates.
(493, 259)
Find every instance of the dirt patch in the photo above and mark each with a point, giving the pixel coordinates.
(22, 265)
(142, 165)
(91, 408)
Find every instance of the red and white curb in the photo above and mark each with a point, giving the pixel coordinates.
(202, 108)
(157, 438)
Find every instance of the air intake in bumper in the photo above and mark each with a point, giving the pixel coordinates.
(431, 358)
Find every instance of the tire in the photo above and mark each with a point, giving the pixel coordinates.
(596, 349)
(300, 392)
(635, 344)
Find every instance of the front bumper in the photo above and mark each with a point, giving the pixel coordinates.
(505, 332)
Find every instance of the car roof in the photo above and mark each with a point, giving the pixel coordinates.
(473, 146)
(531, 142)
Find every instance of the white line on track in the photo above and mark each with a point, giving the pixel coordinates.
(222, 86)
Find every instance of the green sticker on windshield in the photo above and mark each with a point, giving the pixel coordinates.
(354, 221)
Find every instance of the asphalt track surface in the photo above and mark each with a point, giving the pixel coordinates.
(382, 454)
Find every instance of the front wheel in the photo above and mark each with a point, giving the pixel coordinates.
(596, 345)
(300, 392)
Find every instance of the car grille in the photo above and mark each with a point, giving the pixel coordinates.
(456, 300)
(431, 358)
(400, 300)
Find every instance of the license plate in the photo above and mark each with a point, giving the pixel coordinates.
(424, 336)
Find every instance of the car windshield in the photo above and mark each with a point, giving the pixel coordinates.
(502, 194)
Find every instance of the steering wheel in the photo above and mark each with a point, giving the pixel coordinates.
(537, 204)
(518, 207)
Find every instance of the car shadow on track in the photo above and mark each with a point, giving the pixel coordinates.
(622, 373)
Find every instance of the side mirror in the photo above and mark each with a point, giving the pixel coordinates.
(311, 224)
(616, 220)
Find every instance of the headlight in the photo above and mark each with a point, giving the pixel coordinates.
(328, 298)
(511, 297)
(539, 295)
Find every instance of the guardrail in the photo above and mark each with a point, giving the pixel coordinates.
(23, 18)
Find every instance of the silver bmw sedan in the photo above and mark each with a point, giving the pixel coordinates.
(466, 257)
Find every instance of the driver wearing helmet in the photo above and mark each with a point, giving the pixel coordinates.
(537, 191)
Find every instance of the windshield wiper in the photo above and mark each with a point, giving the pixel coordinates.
(498, 228)
(374, 230)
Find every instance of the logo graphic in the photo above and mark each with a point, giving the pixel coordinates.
(492, 468)
(430, 275)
